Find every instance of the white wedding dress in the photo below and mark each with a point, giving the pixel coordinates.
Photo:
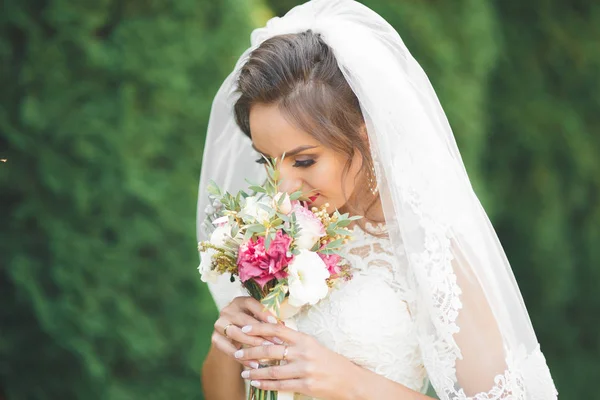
(367, 319)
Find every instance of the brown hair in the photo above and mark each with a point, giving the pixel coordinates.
(299, 72)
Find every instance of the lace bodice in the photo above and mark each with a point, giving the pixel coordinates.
(367, 318)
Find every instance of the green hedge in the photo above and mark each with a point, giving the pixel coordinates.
(103, 117)
(543, 173)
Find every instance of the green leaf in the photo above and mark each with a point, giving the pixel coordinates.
(277, 221)
(342, 231)
(257, 189)
(329, 251)
(281, 200)
(268, 239)
(256, 228)
(343, 222)
(266, 207)
(295, 195)
(273, 300)
(335, 244)
(213, 189)
(283, 217)
(235, 229)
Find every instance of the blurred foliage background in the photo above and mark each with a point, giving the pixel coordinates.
(103, 109)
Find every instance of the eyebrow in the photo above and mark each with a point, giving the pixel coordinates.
(290, 153)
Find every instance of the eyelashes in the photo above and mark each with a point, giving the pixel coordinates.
(304, 163)
(297, 164)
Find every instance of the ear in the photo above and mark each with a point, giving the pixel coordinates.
(363, 132)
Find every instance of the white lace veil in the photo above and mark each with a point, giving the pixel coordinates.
(475, 334)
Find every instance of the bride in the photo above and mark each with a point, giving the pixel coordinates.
(433, 299)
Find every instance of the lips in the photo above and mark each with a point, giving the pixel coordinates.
(313, 198)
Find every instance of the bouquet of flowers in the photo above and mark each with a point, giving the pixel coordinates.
(282, 250)
(276, 245)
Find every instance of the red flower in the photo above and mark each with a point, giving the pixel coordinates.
(254, 262)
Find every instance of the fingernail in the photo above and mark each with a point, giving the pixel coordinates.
(245, 374)
(272, 319)
(255, 383)
(246, 328)
(238, 354)
(267, 343)
(254, 365)
(277, 340)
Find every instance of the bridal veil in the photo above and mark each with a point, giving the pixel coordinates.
(475, 335)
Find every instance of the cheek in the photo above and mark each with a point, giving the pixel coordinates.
(324, 177)
(328, 177)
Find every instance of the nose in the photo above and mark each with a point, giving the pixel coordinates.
(290, 181)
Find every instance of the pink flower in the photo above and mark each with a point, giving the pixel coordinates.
(332, 261)
(311, 227)
(255, 262)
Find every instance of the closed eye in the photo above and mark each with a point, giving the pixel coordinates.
(304, 163)
(261, 161)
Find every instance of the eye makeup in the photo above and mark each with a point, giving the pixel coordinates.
(304, 163)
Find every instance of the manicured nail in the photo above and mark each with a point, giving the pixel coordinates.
(255, 383)
(238, 354)
(254, 365)
(245, 374)
(267, 343)
(277, 340)
(272, 319)
(247, 329)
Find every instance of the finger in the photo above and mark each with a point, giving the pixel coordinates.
(238, 318)
(288, 371)
(259, 311)
(274, 352)
(287, 385)
(250, 365)
(279, 331)
(222, 344)
(234, 333)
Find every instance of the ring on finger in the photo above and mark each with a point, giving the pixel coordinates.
(285, 353)
(225, 331)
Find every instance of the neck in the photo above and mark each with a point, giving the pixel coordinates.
(371, 211)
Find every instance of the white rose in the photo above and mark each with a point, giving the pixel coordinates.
(220, 235)
(286, 204)
(307, 279)
(252, 209)
(311, 228)
(207, 274)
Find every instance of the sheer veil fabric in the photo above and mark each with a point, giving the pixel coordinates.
(474, 332)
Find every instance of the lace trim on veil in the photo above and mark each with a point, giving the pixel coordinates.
(439, 348)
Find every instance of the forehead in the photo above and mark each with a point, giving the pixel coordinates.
(273, 134)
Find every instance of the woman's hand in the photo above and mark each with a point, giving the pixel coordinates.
(310, 369)
(228, 336)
